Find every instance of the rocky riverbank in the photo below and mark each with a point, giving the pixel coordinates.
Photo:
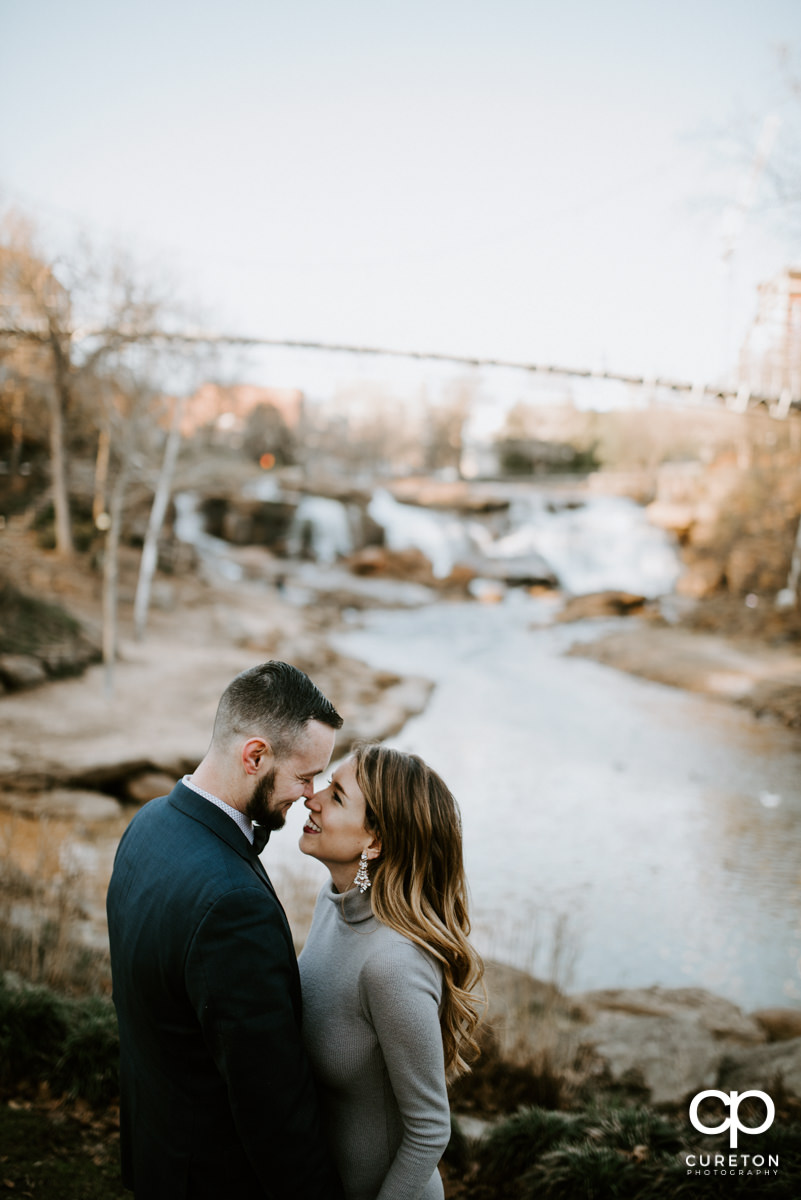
(154, 715)
(661, 1045)
(763, 678)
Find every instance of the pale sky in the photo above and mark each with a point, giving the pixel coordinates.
(539, 181)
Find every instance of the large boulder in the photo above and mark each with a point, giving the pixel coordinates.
(19, 671)
(147, 785)
(764, 1067)
(671, 1042)
(69, 804)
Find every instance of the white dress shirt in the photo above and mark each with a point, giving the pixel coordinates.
(244, 823)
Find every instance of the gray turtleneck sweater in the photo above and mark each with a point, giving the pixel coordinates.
(371, 1027)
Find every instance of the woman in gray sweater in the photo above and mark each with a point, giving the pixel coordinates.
(388, 975)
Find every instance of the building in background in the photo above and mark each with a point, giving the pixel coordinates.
(226, 409)
(770, 359)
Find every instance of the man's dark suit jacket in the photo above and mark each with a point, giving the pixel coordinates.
(217, 1098)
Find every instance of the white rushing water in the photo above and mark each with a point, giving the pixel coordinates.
(596, 543)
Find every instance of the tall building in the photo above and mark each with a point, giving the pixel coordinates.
(770, 359)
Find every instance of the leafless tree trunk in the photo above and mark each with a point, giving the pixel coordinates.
(111, 576)
(101, 472)
(17, 399)
(58, 467)
(147, 566)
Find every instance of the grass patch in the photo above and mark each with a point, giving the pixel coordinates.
(515, 1145)
(51, 1153)
(618, 1152)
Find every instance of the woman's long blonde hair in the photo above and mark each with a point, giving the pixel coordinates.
(418, 881)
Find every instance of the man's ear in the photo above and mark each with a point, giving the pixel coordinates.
(256, 752)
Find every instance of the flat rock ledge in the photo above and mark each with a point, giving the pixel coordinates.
(71, 804)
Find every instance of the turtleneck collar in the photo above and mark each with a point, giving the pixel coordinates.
(354, 906)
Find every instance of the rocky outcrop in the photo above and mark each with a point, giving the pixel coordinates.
(777, 698)
(766, 680)
(671, 1042)
(765, 1067)
(39, 641)
(21, 671)
(734, 519)
(68, 804)
(663, 1044)
(147, 785)
(452, 496)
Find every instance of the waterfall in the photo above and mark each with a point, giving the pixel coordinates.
(320, 530)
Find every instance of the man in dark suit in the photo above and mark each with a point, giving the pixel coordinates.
(217, 1098)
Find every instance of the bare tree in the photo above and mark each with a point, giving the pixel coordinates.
(80, 314)
(134, 411)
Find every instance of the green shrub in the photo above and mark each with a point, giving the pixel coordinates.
(629, 1128)
(88, 1064)
(515, 1145)
(580, 1173)
(72, 1044)
(33, 1028)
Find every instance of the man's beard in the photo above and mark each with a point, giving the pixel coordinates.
(258, 806)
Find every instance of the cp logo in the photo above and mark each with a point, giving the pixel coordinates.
(733, 1101)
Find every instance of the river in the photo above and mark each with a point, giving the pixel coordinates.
(617, 832)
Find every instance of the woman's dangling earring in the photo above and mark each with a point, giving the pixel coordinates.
(362, 880)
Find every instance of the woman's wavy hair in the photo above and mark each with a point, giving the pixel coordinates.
(418, 881)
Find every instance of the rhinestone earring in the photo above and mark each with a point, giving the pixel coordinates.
(362, 880)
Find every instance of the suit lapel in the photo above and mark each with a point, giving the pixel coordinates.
(208, 814)
(197, 808)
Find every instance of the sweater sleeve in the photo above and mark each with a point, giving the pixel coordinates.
(400, 990)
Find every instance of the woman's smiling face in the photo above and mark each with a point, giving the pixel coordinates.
(335, 832)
